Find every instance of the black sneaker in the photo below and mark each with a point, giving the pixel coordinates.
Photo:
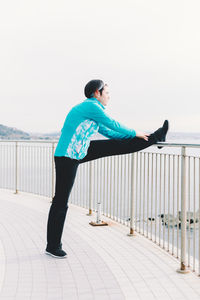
(161, 133)
(58, 253)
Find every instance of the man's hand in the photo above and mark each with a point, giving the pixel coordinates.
(142, 135)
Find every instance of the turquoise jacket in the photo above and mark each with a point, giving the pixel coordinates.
(83, 121)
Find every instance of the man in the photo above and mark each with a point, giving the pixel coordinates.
(74, 147)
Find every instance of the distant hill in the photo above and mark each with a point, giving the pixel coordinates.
(11, 133)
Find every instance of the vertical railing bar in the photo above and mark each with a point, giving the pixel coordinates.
(148, 170)
(136, 198)
(140, 192)
(20, 167)
(90, 187)
(97, 189)
(104, 186)
(132, 194)
(169, 220)
(34, 166)
(103, 178)
(8, 167)
(125, 187)
(151, 193)
(198, 216)
(86, 185)
(46, 191)
(1, 169)
(194, 235)
(160, 195)
(114, 186)
(156, 195)
(143, 218)
(49, 171)
(94, 186)
(52, 174)
(81, 184)
(16, 167)
(5, 176)
(189, 208)
(27, 160)
(42, 170)
(3, 163)
(118, 168)
(46, 169)
(38, 174)
(98, 193)
(27, 185)
(99, 201)
(109, 190)
(121, 186)
(129, 184)
(164, 193)
(13, 165)
(173, 200)
(37, 164)
(30, 167)
(178, 195)
(10, 161)
(124, 202)
(6, 173)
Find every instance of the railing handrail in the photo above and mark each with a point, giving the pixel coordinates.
(182, 157)
(29, 141)
(166, 144)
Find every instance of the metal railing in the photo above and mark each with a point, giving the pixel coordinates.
(154, 192)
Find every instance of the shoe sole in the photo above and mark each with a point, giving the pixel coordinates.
(61, 257)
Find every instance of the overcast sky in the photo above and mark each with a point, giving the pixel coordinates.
(148, 52)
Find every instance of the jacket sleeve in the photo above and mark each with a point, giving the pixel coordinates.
(94, 112)
(111, 134)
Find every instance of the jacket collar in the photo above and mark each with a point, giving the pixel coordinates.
(96, 101)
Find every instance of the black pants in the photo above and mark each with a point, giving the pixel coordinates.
(66, 169)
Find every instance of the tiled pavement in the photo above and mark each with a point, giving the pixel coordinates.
(102, 263)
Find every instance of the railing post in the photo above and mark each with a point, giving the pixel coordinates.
(183, 268)
(199, 217)
(52, 166)
(98, 222)
(132, 198)
(16, 167)
(91, 189)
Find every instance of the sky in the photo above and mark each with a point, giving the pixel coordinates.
(146, 51)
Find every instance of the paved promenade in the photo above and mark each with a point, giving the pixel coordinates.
(103, 262)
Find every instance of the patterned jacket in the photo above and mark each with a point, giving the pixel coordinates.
(83, 121)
